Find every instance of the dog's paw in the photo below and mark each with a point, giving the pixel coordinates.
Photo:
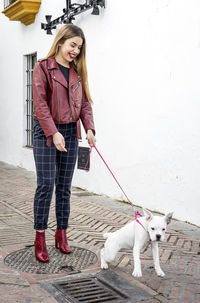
(137, 273)
(160, 272)
(104, 265)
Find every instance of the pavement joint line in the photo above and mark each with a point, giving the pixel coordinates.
(23, 215)
(136, 282)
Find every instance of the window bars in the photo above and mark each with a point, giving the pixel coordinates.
(8, 3)
(30, 62)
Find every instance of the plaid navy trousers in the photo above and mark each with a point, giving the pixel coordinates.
(54, 168)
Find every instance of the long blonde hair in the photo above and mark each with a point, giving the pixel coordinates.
(66, 32)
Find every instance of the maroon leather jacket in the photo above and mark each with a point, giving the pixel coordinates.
(56, 101)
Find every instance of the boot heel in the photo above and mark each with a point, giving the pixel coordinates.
(61, 241)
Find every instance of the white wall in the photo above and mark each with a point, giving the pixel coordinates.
(144, 69)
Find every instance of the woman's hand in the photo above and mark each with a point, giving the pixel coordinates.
(91, 138)
(59, 142)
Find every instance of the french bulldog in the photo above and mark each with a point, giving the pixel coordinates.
(135, 235)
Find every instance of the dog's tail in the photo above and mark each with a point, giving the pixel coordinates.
(106, 235)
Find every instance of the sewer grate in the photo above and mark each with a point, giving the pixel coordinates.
(24, 260)
(97, 287)
(90, 290)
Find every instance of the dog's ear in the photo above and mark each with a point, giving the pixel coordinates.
(148, 215)
(168, 217)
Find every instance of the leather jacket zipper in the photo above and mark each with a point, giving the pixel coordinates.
(58, 100)
(73, 90)
(70, 108)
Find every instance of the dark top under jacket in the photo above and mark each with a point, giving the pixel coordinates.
(65, 71)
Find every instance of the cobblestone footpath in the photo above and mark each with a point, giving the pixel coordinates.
(91, 216)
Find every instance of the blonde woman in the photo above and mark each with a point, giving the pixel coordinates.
(61, 97)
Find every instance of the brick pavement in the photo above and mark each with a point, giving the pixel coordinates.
(90, 218)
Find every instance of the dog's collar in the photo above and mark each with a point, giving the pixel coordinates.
(141, 224)
(144, 229)
(136, 219)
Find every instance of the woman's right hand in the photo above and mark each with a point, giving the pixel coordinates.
(59, 142)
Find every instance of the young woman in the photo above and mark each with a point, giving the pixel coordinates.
(61, 97)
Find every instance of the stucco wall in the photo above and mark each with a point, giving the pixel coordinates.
(144, 68)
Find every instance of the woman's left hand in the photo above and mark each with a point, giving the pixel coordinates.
(91, 138)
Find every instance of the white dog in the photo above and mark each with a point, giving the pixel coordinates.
(135, 236)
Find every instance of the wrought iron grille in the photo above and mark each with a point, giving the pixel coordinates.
(30, 62)
(90, 289)
(8, 3)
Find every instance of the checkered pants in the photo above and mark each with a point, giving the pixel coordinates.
(54, 168)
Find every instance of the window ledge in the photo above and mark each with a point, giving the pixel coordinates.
(23, 10)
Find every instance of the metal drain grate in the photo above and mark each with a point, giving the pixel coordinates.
(97, 287)
(89, 290)
(24, 260)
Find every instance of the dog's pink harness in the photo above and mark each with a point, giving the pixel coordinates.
(136, 212)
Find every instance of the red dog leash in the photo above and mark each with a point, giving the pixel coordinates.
(137, 212)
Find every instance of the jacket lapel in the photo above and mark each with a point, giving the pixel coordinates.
(73, 76)
(58, 76)
(56, 73)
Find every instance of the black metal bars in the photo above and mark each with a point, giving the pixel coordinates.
(72, 10)
(31, 60)
(8, 3)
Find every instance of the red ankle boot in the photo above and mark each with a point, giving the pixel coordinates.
(40, 247)
(61, 241)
